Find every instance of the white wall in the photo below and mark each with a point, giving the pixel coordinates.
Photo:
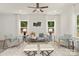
(7, 24)
(56, 18)
(65, 22)
(43, 19)
(37, 18)
(68, 20)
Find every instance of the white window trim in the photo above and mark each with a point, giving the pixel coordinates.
(20, 26)
(76, 24)
(54, 26)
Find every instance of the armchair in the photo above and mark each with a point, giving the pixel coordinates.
(2, 42)
(64, 40)
(14, 41)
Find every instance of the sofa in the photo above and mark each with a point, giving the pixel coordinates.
(40, 38)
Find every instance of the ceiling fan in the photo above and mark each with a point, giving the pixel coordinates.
(38, 7)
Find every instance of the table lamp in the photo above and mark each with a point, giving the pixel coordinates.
(24, 31)
(50, 31)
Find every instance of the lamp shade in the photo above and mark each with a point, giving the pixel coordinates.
(50, 30)
(24, 30)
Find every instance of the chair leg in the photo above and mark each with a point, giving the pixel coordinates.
(42, 52)
(3, 44)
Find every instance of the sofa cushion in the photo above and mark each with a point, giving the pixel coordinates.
(41, 35)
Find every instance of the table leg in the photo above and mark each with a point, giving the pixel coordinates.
(29, 53)
(42, 52)
(73, 45)
(47, 53)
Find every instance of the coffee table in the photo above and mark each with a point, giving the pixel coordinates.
(46, 49)
(41, 48)
(31, 49)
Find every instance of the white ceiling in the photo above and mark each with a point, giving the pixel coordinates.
(53, 8)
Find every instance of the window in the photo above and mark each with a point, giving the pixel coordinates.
(51, 26)
(78, 25)
(23, 25)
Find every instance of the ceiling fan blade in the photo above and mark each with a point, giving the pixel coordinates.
(41, 10)
(37, 5)
(44, 7)
(34, 10)
(31, 7)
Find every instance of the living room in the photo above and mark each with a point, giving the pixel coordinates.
(56, 21)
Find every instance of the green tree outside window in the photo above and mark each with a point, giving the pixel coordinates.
(50, 23)
(78, 20)
(23, 23)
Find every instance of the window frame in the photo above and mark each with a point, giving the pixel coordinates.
(77, 26)
(49, 27)
(21, 27)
